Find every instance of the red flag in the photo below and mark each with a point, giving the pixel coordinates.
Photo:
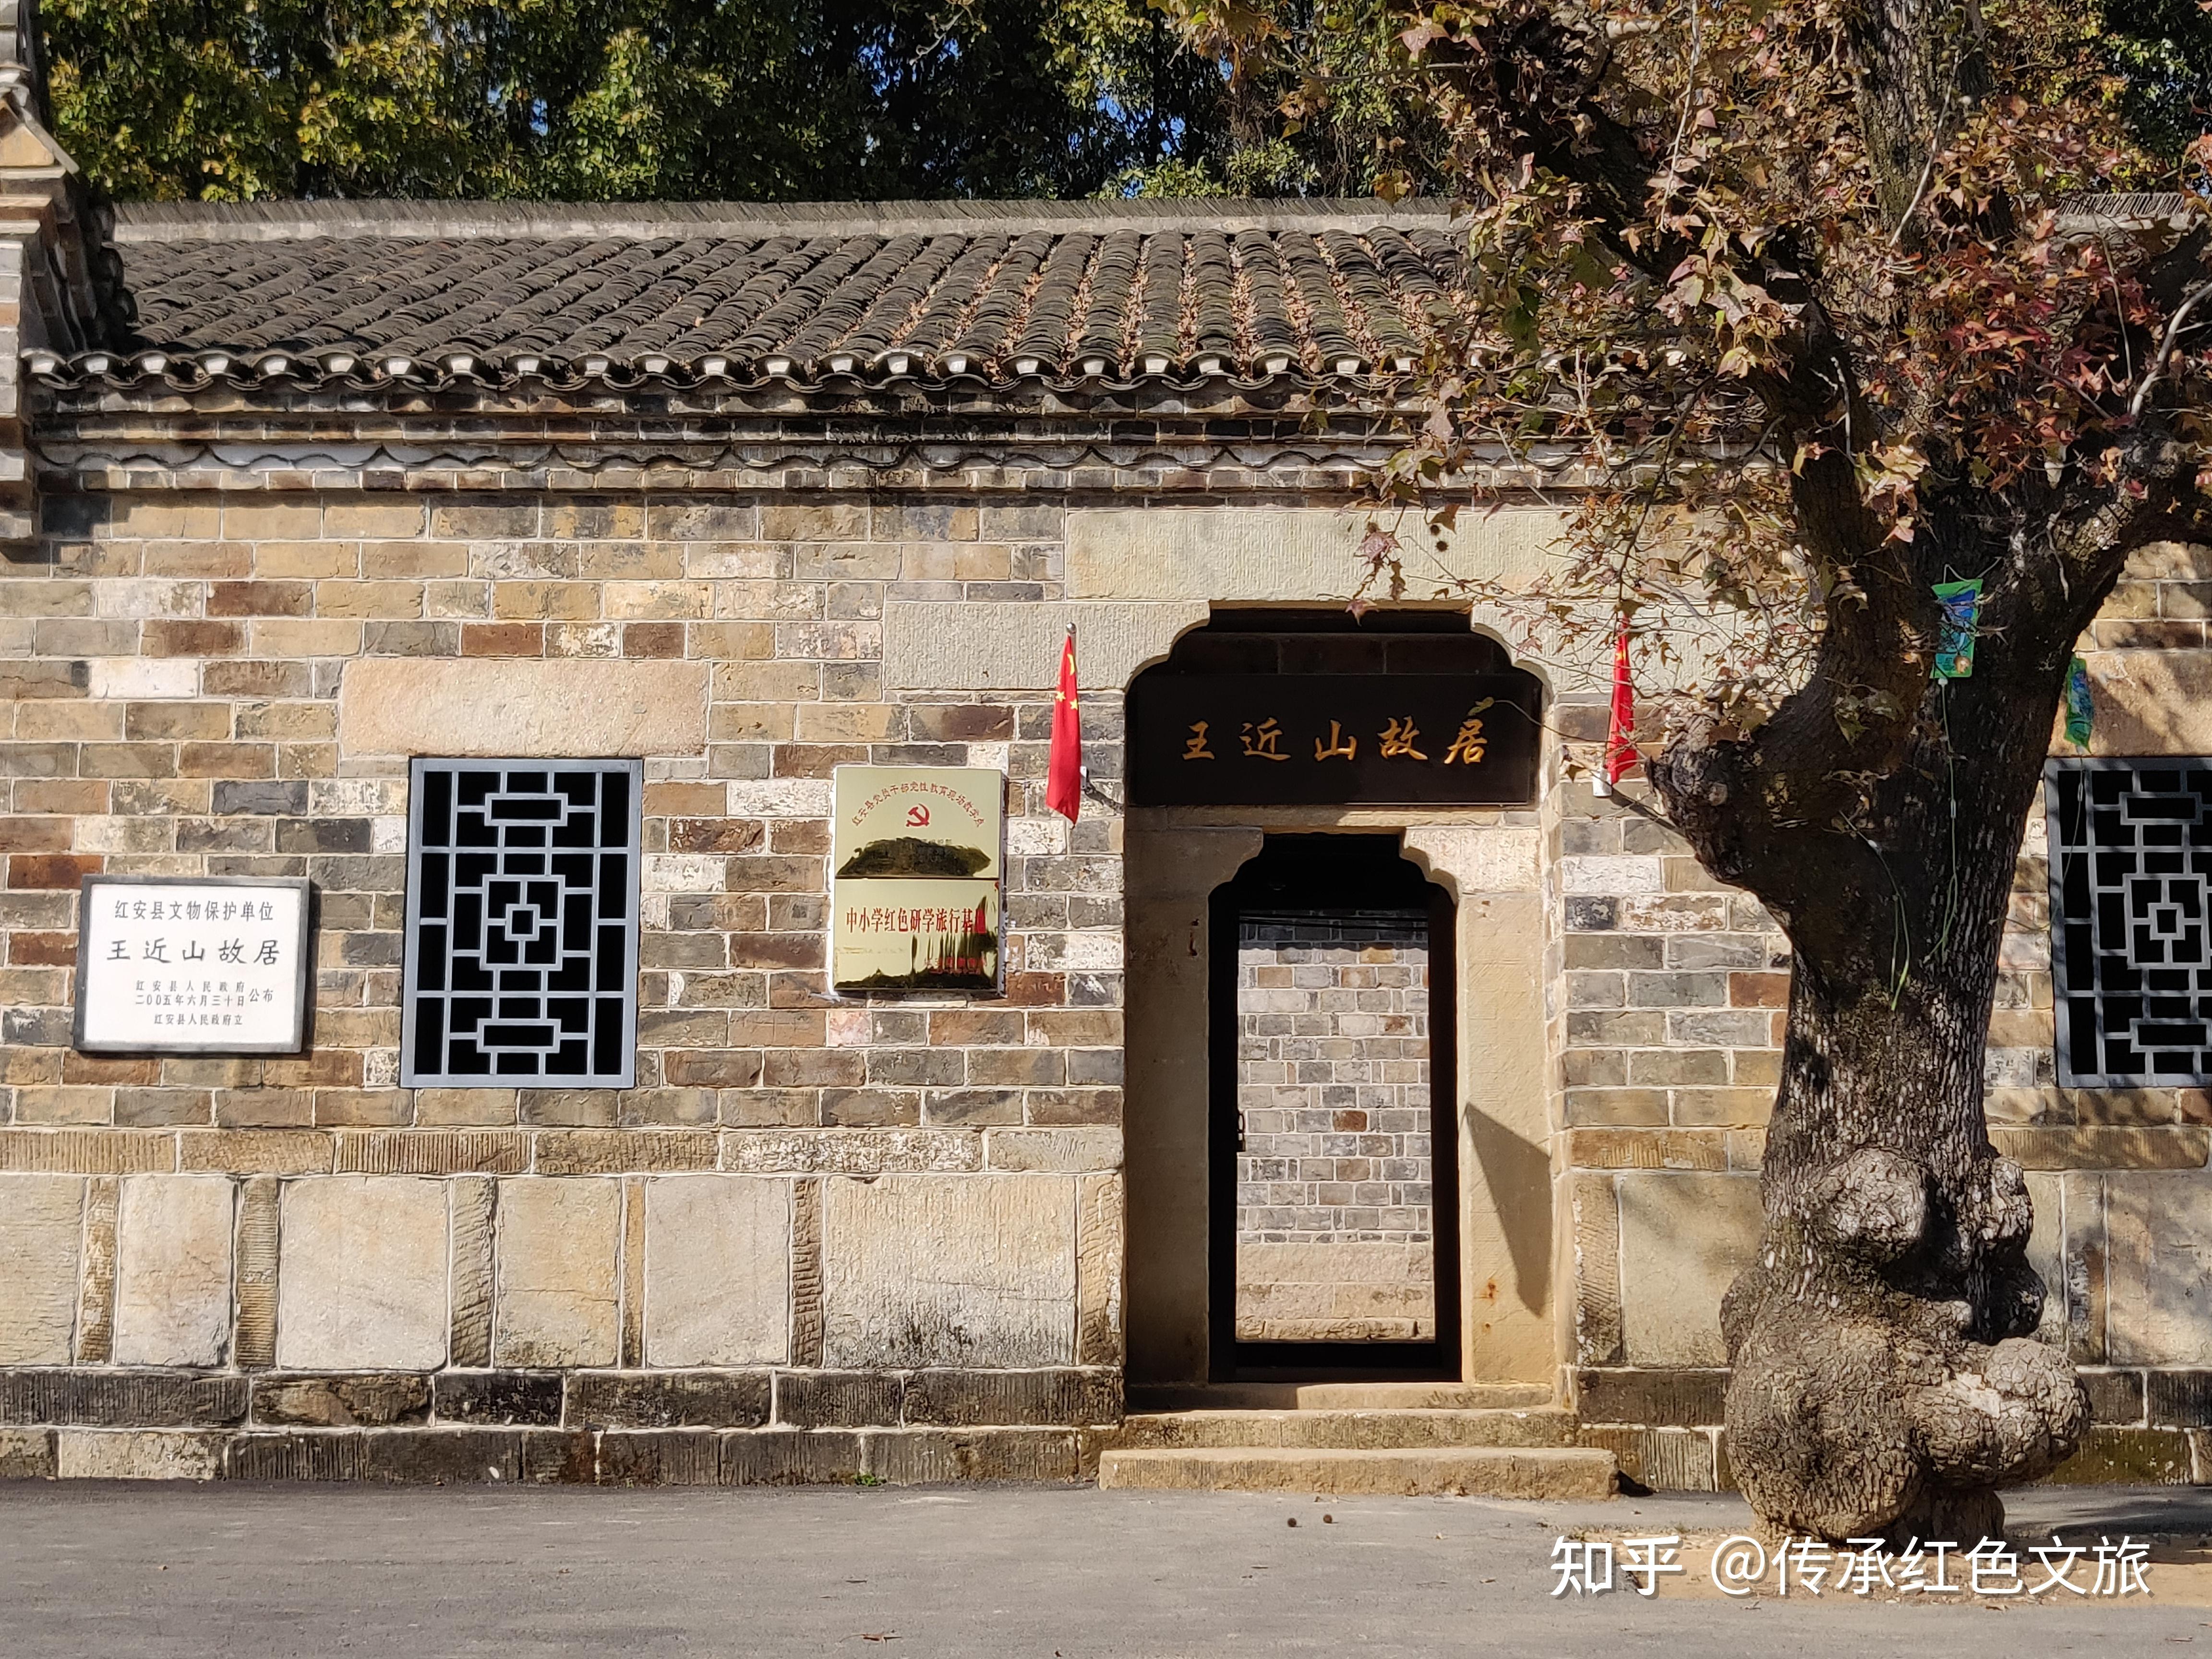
(1063, 783)
(1621, 732)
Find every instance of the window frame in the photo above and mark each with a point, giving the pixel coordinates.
(2058, 849)
(419, 767)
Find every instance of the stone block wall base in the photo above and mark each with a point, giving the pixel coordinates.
(777, 1427)
(1664, 1460)
(604, 1428)
(2152, 1427)
(457, 1457)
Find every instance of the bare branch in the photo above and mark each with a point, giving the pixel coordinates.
(1927, 173)
(2174, 325)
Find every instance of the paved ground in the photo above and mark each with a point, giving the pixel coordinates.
(123, 1572)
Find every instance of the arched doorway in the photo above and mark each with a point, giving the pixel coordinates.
(1334, 841)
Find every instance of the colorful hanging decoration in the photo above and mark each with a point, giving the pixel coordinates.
(1063, 787)
(1954, 645)
(1620, 730)
(2081, 705)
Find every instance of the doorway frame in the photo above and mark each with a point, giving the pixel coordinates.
(1437, 1358)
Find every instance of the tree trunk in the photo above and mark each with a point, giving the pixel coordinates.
(1885, 1380)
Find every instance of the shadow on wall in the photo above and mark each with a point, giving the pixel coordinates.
(1518, 1175)
(2148, 669)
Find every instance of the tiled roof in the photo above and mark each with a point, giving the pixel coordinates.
(710, 294)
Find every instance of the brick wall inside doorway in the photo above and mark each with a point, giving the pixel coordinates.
(1333, 1226)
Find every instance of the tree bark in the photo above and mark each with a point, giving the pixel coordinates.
(1885, 1380)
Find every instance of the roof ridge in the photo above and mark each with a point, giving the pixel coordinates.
(234, 222)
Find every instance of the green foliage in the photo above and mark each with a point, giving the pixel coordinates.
(241, 100)
(1320, 99)
(600, 99)
(2164, 49)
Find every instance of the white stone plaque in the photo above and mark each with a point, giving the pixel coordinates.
(189, 965)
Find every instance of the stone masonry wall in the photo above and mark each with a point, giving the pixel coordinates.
(821, 1236)
(1333, 1222)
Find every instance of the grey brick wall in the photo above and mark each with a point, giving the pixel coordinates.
(1334, 1218)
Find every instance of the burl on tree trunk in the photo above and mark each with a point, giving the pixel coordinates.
(1886, 1383)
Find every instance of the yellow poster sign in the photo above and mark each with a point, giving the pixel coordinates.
(916, 860)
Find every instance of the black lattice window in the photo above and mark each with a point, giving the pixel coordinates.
(522, 924)
(2131, 955)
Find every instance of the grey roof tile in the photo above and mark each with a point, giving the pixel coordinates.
(806, 295)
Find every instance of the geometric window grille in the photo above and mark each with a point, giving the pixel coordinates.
(522, 915)
(2131, 927)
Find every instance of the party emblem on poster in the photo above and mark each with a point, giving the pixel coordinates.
(180, 965)
(917, 864)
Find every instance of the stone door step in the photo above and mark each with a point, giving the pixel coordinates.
(1557, 1472)
(1348, 1431)
(1339, 1396)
